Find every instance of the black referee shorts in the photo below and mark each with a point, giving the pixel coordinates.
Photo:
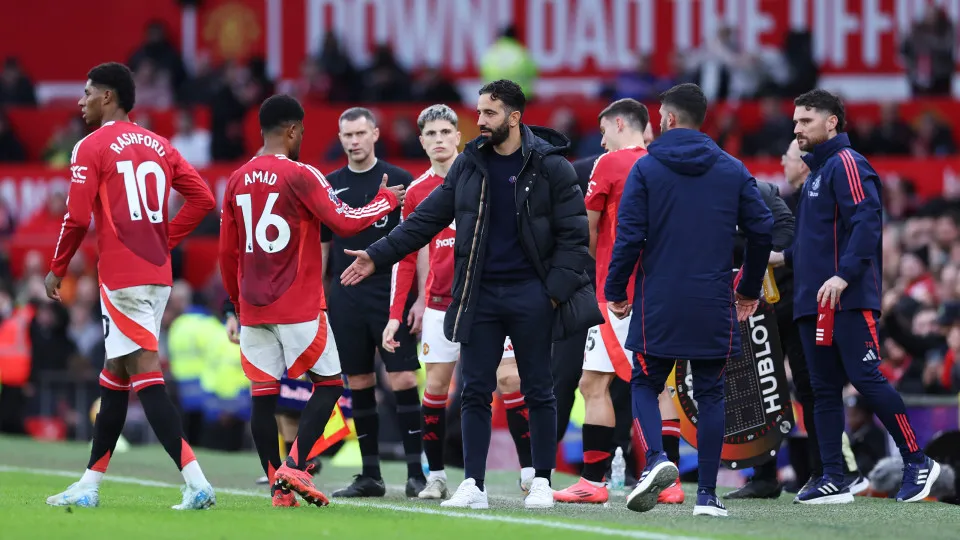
(357, 318)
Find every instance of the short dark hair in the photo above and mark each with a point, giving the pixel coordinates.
(688, 102)
(117, 77)
(356, 113)
(824, 101)
(507, 92)
(631, 110)
(279, 110)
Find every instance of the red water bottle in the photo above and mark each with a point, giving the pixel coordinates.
(824, 325)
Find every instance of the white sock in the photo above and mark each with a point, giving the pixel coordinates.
(594, 484)
(193, 476)
(527, 473)
(91, 477)
(437, 474)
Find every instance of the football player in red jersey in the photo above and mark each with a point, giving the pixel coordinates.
(624, 125)
(433, 268)
(122, 174)
(270, 259)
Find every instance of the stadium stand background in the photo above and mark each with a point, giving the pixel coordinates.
(202, 68)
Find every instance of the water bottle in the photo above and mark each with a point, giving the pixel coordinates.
(770, 291)
(618, 470)
(424, 464)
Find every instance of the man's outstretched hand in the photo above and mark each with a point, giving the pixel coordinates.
(359, 270)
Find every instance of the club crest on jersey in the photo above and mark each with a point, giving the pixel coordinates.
(815, 187)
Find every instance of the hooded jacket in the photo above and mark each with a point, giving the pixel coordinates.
(551, 221)
(681, 207)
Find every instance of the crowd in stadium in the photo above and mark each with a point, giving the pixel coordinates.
(919, 331)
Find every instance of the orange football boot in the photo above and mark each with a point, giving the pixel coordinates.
(672, 495)
(302, 483)
(582, 492)
(283, 498)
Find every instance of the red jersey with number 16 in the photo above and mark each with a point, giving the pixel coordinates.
(440, 277)
(122, 174)
(603, 195)
(270, 256)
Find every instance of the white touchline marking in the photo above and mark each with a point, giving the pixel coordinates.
(385, 506)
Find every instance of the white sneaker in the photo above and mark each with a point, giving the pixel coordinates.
(436, 488)
(84, 495)
(540, 496)
(468, 495)
(526, 479)
(196, 498)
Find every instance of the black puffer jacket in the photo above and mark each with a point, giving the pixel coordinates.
(552, 223)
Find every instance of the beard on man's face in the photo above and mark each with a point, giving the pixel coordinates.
(498, 134)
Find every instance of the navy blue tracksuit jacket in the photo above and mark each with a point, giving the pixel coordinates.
(838, 229)
(681, 207)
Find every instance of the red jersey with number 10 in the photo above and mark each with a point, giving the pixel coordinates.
(270, 256)
(603, 195)
(122, 174)
(440, 277)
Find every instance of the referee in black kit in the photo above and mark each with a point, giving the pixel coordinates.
(359, 314)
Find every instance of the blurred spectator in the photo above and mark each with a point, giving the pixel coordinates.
(158, 48)
(775, 131)
(385, 80)
(46, 222)
(727, 132)
(928, 52)
(564, 121)
(192, 142)
(15, 87)
(892, 136)
(60, 146)
(406, 140)
(639, 83)
(433, 87)
(336, 64)
(312, 87)
(933, 137)
(230, 104)
(11, 151)
(154, 90)
(508, 58)
(803, 69)
(202, 87)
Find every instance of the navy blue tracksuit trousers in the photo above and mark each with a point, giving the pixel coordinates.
(523, 311)
(648, 379)
(854, 356)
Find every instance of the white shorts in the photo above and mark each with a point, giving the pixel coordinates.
(131, 318)
(267, 349)
(435, 348)
(606, 349)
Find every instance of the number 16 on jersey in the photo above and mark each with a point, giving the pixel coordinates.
(267, 218)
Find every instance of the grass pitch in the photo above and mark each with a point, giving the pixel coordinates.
(142, 484)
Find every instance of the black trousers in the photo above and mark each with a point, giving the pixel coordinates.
(518, 310)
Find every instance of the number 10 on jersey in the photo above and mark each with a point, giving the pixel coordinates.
(267, 218)
(135, 185)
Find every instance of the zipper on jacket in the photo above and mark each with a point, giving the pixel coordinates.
(465, 295)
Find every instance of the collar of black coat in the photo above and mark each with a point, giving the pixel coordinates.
(540, 139)
(824, 150)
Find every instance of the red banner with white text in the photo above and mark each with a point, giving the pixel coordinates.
(568, 38)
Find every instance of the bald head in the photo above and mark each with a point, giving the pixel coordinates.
(794, 169)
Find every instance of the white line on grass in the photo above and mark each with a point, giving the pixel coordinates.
(479, 515)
